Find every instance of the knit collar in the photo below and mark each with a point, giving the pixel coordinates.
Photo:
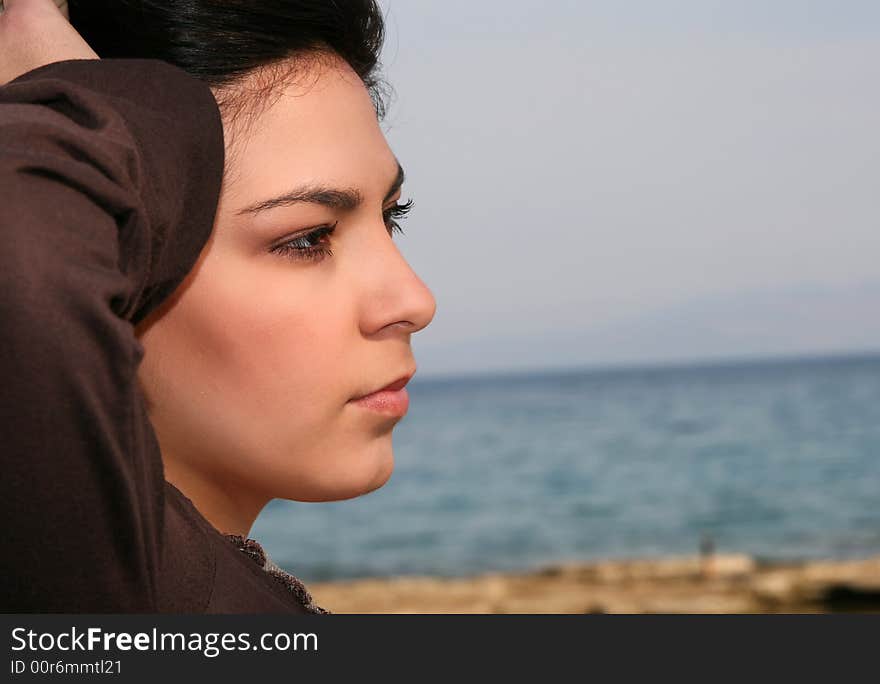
(253, 549)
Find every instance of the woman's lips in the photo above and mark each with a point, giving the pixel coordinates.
(392, 402)
(393, 399)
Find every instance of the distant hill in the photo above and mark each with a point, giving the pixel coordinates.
(805, 320)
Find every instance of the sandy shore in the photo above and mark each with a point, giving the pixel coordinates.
(718, 584)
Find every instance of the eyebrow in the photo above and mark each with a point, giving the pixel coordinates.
(344, 199)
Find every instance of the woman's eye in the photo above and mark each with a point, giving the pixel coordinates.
(310, 247)
(306, 247)
(398, 211)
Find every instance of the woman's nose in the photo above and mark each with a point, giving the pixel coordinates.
(396, 296)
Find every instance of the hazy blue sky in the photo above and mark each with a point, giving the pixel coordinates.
(612, 182)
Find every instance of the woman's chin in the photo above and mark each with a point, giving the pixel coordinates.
(370, 473)
(373, 481)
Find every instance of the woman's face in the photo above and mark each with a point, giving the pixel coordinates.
(249, 368)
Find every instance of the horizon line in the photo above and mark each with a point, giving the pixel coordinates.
(658, 365)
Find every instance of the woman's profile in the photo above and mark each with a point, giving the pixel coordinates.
(203, 306)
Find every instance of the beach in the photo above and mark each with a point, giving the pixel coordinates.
(523, 489)
(684, 584)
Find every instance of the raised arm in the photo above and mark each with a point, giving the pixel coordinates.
(110, 172)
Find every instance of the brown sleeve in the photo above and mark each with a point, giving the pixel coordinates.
(110, 172)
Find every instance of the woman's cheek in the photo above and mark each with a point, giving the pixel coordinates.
(276, 359)
(274, 339)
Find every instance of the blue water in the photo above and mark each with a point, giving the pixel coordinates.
(780, 460)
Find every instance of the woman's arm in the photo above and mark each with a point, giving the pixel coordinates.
(110, 171)
(37, 32)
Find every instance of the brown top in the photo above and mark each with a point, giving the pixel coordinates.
(110, 173)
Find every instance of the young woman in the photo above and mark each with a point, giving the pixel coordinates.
(202, 306)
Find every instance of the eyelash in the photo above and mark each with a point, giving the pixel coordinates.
(299, 249)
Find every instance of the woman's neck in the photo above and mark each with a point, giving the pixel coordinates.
(229, 509)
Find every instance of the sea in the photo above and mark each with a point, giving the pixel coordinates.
(778, 459)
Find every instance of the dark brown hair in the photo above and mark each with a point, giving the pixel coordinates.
(224, 41)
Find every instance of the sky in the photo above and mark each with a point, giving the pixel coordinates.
(607, 183)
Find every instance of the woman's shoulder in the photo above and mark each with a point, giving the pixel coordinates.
(207, 571)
